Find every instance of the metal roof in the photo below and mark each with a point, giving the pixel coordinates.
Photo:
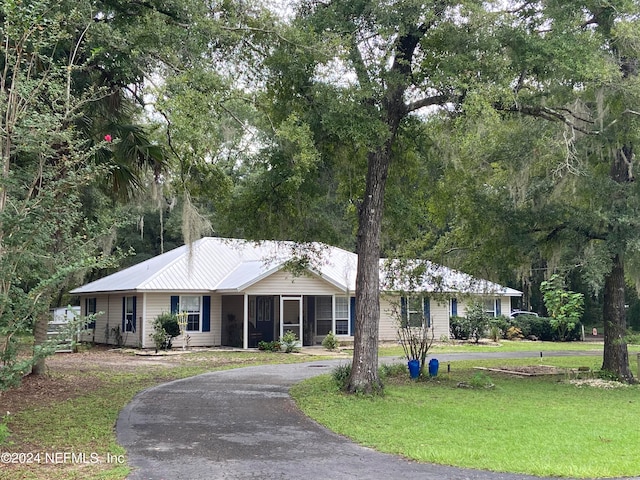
(226, 265)
(425, 276)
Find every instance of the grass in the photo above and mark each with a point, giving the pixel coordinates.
(534, 425)
(505, 346)
(85, 424)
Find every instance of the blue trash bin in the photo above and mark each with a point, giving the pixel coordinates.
(433, 367)
(414, 368)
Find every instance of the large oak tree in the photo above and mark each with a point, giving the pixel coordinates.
(376, 65)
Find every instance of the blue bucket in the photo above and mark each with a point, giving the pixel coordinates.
(414, 368)
(433, 367)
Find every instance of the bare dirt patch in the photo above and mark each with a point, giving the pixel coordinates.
(67, 376)
(73, 374)
(528, 370)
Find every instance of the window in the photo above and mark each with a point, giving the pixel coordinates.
(191, 305)
(342, 315)
(129, 319)
(324, 315)
(91, 308)
(415, 310)
(493, 306)
(454, 307)
(264, 309)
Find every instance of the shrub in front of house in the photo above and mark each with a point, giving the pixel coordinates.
(541, 329)
(498, 326)
(478, 320)
(289, 341)
(460, 328)
(514, 333)
(165, 328)
(274, 346)
(330, 342)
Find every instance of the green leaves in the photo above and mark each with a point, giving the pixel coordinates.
(565, 307)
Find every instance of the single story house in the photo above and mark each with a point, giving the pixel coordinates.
(237, 293)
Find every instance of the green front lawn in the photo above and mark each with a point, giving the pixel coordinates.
(505, 346)
(533, 425)
(49, 425)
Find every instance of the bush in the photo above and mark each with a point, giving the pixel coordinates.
(514, 333)
(564, 306)
(274, 346)
(539, 327)
(392, 370)
(165, 328)
(460, 328)
(289, 341)
(341, 375)
(542, 329)
(495, 333)
(478, 320)
(632, 338)
(330, 342)
(500, 325)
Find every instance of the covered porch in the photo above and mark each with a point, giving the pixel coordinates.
(250, 319)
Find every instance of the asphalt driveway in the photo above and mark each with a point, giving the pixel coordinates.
(242, 424)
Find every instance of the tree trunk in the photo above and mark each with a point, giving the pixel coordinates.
(39, 338)
(616, 355)
(364, 369)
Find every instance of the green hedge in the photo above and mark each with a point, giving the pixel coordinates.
(530, 325)
(540, 327)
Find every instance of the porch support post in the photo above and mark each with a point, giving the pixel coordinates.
(333, 314)
(143, 337)
(245, 323)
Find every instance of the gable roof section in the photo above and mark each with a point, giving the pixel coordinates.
(229, 265)
(214, 264)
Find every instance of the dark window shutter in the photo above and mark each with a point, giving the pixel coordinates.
(124, 313)
(426, 305)
(498, 307)
(175, 303)
(92, 323)
(133, 323)
(206, 313)
(454, 307)
(403, 312)
(352, 315)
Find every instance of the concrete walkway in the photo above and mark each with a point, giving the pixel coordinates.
(242, 424)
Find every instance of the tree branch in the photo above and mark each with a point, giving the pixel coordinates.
(563, 115)
(429, 101)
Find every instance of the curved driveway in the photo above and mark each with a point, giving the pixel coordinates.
(242, 424)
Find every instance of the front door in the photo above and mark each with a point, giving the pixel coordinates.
(264, 318)
(291, 316)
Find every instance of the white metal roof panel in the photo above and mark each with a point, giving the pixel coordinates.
(425, 276)
(213, 264)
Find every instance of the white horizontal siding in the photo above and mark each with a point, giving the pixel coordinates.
(159, 303)
(388, 332)
(111, 318)
(156, 305)
(285, 283)
(440, 318)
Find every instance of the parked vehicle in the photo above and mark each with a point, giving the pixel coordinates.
(517, 313)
